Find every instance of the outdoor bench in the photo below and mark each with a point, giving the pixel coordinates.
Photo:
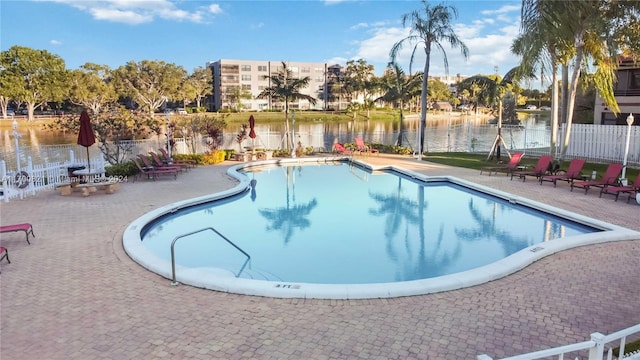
(26, 227)
(109, 186)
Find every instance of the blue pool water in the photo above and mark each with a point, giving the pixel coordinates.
(342, 224)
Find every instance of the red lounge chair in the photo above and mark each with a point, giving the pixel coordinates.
(510, 167)
(617, 190)
(26, 227)
(165, 157)
(340, 149)
(363, 148)
(148, 164)
(573, 173)
(542, 166)
(157, 162)
(152, 173)
(610, 178)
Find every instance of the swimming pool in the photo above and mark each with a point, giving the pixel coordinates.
(339, 230)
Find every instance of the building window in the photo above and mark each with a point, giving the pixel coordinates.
(229, 69)
(261, 87)
(246, 87)
(305, 70)
(262, 68)
(245, 67)
(293, 69)
(246, 77)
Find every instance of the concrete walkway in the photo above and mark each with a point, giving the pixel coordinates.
(74, 293)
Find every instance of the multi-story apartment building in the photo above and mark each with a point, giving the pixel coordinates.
(252, 77)
(627, 93)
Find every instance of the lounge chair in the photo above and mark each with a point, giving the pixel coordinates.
(610, 178)
(148, 164)
(509, 167)
(159, 163)
(617, 190)
(340, 149)
(152, 172)
(166, 158)
(361, 147)
(26, 227)
(574, 172)
(4, 254)
(542, 166)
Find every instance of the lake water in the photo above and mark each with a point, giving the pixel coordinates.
(456, 132)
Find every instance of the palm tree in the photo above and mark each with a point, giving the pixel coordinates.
(492, 90)
(286, 88)
(586, 32)
(400, 88)
(430, 30)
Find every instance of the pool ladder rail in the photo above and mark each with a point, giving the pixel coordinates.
(173, 257)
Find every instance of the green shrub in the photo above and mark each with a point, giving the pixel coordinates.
(121, 170)
(197, 157)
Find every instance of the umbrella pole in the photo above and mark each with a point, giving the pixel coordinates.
(88, 162)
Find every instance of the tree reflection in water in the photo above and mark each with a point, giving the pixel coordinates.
(486, 229)
(400, 210)
(291, 216)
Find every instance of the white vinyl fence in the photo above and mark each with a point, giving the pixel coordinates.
(600, 347)
(31, 178)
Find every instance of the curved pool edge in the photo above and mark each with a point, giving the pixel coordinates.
(219, 280)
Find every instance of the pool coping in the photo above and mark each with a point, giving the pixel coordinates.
(224, 281)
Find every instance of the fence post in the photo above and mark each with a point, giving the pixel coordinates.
(5, 180)
(31, 176)
(596, 352)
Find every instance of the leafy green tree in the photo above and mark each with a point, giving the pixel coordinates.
(149, 83)
(91, 87)
(430, 28)
(113, 129)
(360, 80)
(235, 95)
(201, 80)
(493, 89)
(577, 34)
(399, 88)
(438, 91)
(33, 77)
(284, 87)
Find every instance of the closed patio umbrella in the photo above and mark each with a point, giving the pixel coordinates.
(252, 132)
(86, 137)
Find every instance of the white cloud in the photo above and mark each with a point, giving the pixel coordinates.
(488, 43)
(139, 11)
(55, 42)
(503, 10)
(215, 9)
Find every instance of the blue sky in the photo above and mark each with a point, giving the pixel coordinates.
(191, 33)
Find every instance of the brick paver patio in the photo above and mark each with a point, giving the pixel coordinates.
(75, 294)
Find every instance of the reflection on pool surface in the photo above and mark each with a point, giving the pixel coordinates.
(343, 224)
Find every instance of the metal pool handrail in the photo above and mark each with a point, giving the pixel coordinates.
(173, 258)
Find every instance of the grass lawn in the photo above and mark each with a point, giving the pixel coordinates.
(479, 160)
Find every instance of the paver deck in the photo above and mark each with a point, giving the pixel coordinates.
(75, 294)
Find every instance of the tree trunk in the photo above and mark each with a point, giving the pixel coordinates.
(423, 102)
(554, 110)
(287, 128)
(400, 129)
(572, 90)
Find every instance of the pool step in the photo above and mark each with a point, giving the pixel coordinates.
(257, 274)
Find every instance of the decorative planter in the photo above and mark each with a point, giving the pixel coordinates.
(264, 155)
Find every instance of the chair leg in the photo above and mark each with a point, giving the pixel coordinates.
(4, 251)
